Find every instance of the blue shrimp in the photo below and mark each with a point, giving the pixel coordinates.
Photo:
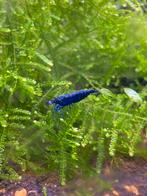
(68, 99)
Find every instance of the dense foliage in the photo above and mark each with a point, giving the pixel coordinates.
(52, 47)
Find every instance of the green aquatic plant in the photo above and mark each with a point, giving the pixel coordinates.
(51, 48)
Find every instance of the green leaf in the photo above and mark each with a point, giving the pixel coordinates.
(105, 92)
(5, 30)
(40, 66)
(44, 59)
(3, 122)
